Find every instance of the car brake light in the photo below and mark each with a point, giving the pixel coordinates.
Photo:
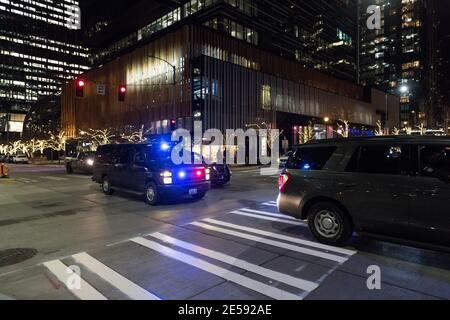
(283, 181)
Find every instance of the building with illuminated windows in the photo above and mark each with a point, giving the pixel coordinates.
(39, 51)
(236, 63)
(319, 34)
(402, 57)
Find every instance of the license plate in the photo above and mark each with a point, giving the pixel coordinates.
(193, 192)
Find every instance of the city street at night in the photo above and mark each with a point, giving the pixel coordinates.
(225, 159)
(233, 244)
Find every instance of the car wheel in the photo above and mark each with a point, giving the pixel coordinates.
(106, 187)
(329, 224)
(199, 195)
(151, 196)
(69, 168)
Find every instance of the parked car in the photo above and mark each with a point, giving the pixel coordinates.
(392, 188)
(22, 159)
(82, 162)
(147, 169)
(283, 159)
(3, 158)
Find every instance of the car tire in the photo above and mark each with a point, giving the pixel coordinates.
(106, 186)
(151, 196)
(199, 195)
(69, 168)
(329, 224)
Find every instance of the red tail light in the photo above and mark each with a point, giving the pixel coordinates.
(283, 181)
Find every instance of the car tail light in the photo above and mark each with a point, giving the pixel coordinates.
(283, 181)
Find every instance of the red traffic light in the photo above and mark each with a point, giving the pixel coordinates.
(80, 88)
(122, 91)
(173, 124)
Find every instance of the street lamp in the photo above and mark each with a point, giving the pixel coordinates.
(174, 68)
(404, 89)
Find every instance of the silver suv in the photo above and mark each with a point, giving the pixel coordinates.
(393, 188)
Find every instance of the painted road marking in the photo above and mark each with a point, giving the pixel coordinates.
(271, 214)
(270, 204)
(283, 237)
(223, 273)
(53, 178)
(278, 276)
(274, 243)
(85, 292)
(24, 180)
(264, 217)
(129, 288)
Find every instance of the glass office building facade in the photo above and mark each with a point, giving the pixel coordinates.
(39, 51)
(319, 34)
(401, 57)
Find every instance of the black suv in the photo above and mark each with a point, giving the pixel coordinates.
(393, 188)
(147, 169)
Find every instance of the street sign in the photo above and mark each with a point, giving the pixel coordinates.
(101, 89)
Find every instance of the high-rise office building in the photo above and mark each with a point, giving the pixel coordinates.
(402, 56)
(319, 34)
(39, 51)
(444, 65)
(228, 64)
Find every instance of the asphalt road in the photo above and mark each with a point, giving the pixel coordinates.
(231, 245)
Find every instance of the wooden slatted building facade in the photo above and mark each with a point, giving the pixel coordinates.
(229, 82)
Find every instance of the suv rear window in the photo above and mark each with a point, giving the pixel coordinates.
(310, 158)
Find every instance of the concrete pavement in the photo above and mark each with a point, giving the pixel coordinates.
(231, 245)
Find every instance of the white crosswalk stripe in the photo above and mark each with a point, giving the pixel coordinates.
(289, 280)
(270, 204)
(115, 279)
(84, 292)
(282, 237)
(274, 243)
(264, 217)
(228, 275)
(278, 215)
(261, 279)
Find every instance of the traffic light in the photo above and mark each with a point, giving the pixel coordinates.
(122, 93)
(173, 125)
(80, 88)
